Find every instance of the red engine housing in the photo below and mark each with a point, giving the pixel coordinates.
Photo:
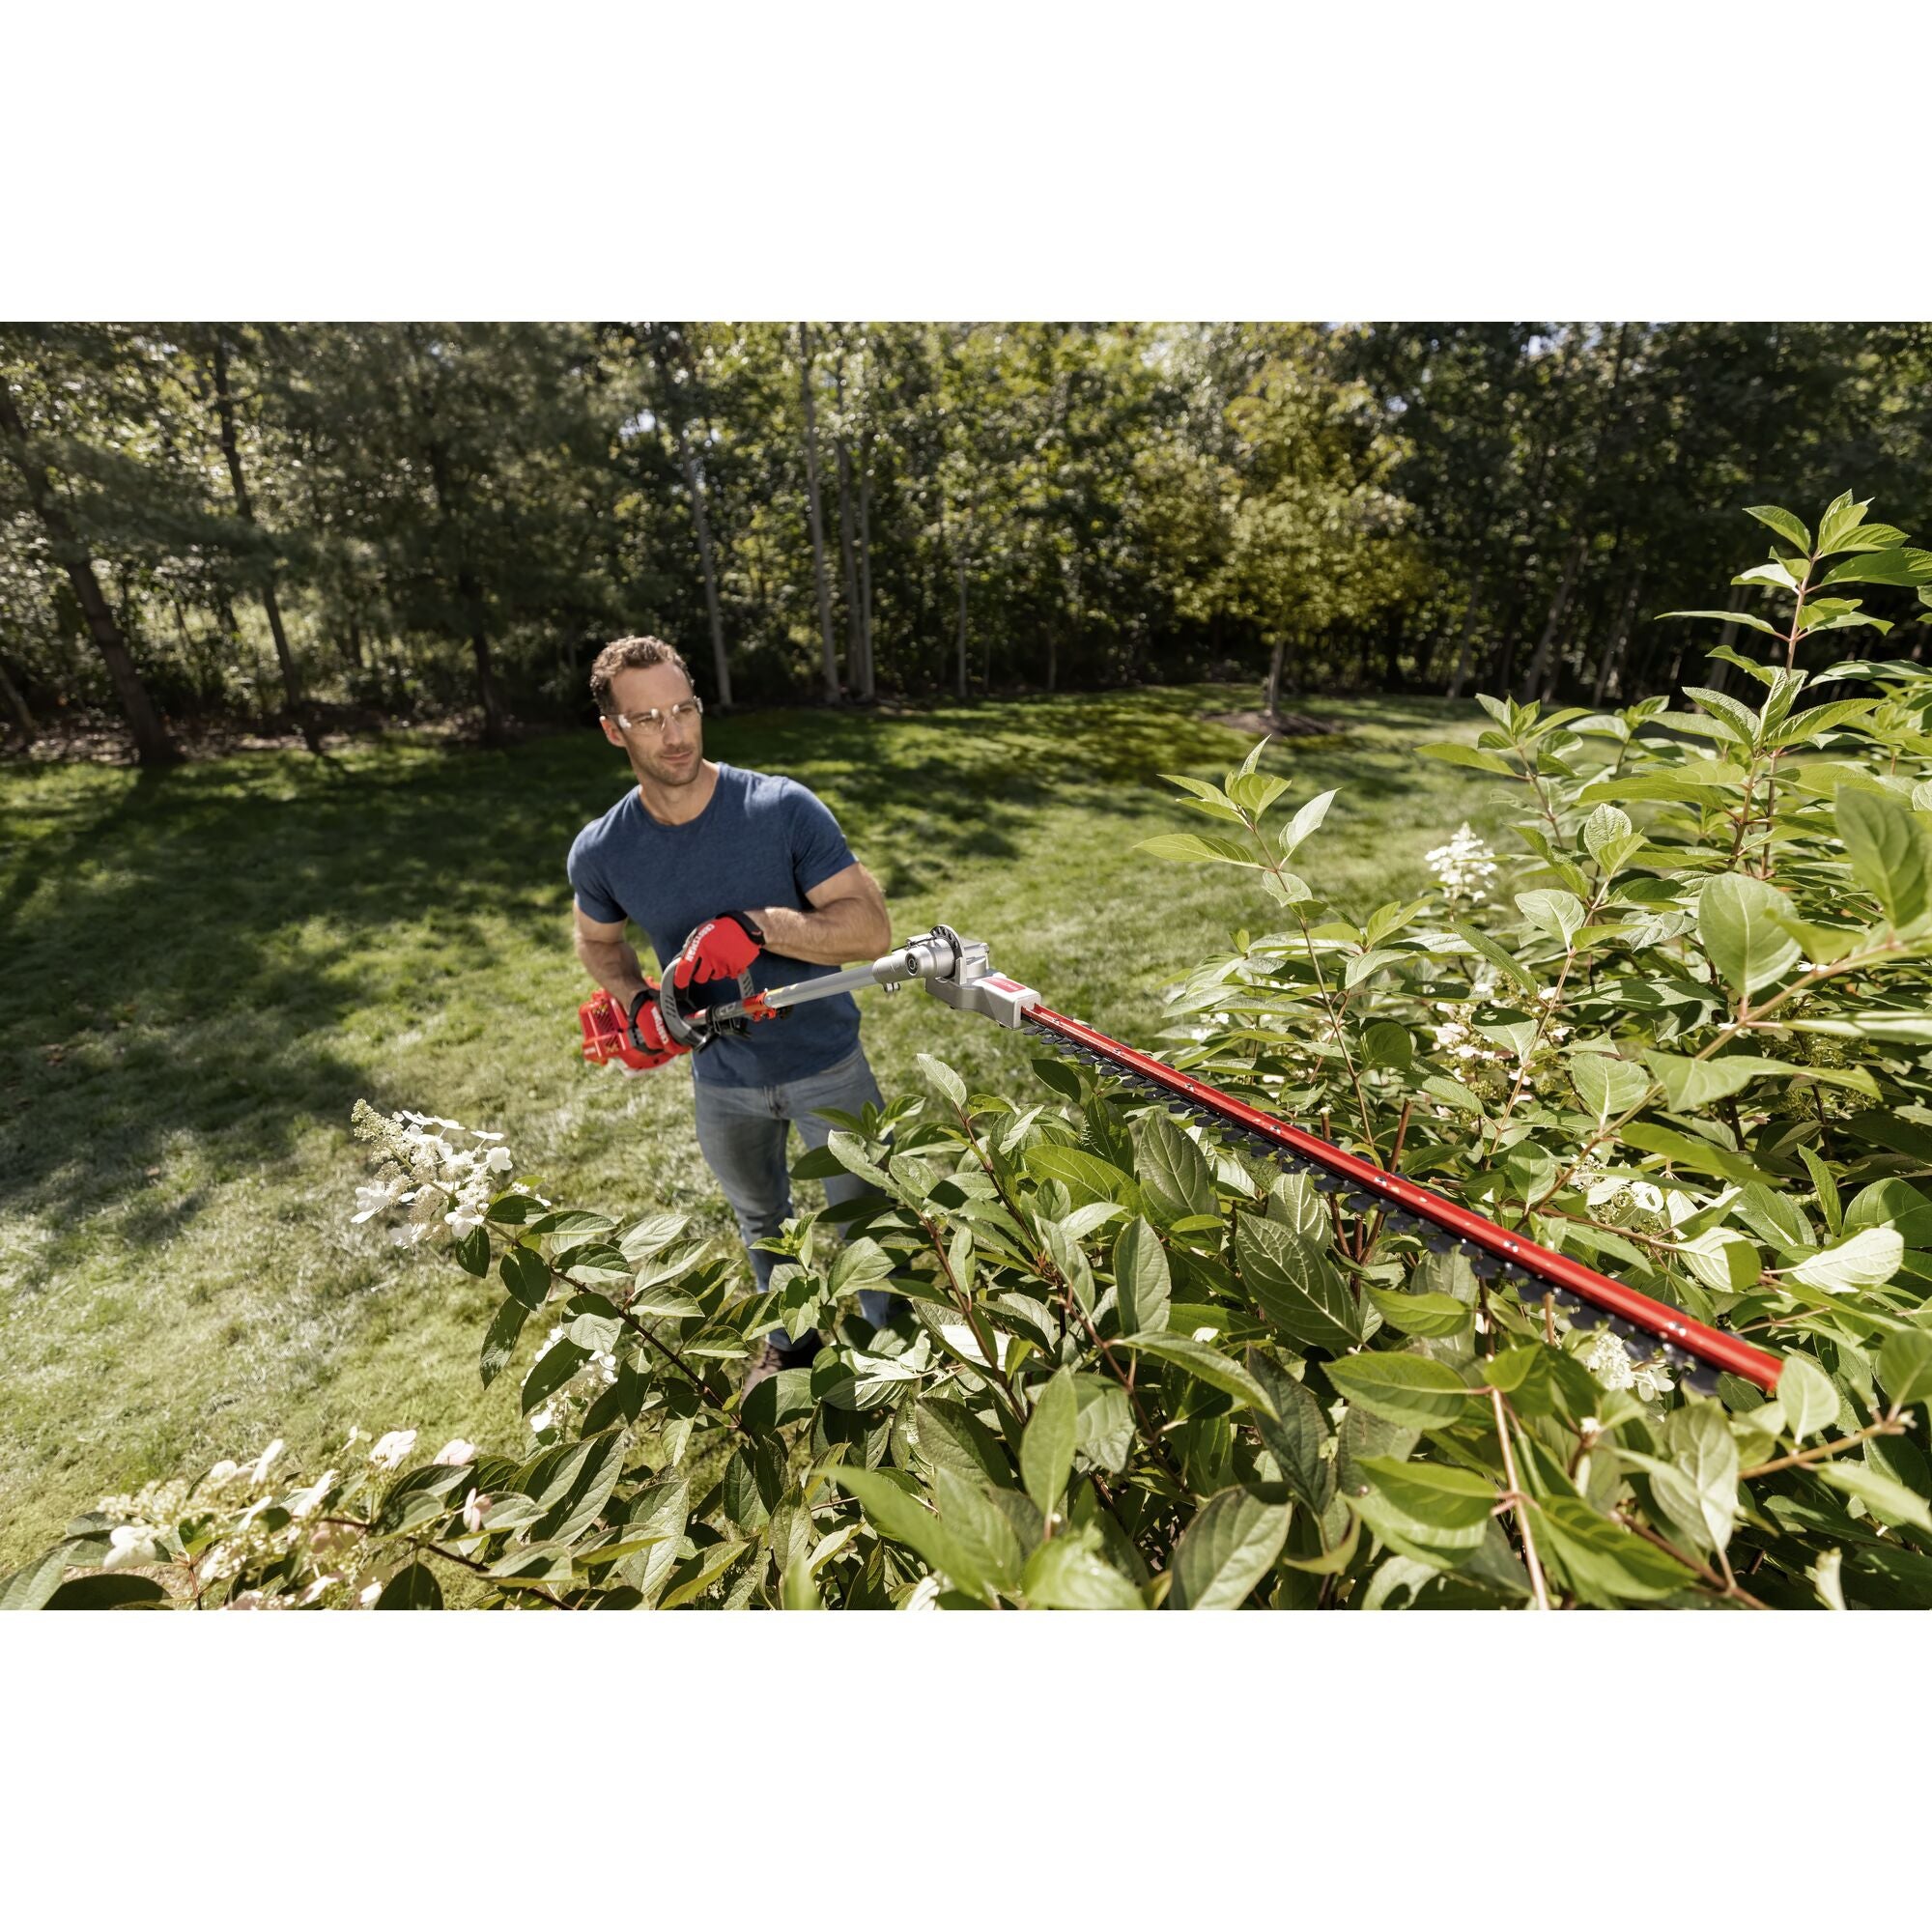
(606, 1037)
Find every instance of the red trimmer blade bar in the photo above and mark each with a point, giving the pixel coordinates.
(1538, 1274)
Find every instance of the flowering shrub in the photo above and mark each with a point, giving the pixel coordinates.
(1463, 867)
(1687, 1043)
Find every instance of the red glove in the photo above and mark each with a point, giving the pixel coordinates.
(721, 948)
(648, 1038)
(636, 1042)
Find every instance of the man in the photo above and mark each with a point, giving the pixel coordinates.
(724, 870)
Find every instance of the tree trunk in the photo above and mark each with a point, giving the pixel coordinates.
(1538, 664)
(816, 514)
(468, 591)
(494, 731)
(700, 517)
(1614, 651)
(849, 565)
(231, 451)
(1271, 708)
(16, 705)
(151, 744)
(870, 689)
(1468, 645)
(961, 563)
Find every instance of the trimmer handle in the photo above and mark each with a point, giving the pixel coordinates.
(688, 1026)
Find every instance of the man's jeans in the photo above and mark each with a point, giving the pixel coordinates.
(741, 1132)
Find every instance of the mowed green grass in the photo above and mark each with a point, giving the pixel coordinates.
(205, 969)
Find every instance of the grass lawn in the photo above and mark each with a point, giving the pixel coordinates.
(205, 968)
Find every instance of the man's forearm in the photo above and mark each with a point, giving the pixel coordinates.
(614, 965)
(828, 935)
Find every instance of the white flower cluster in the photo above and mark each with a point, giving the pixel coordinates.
(424, 1172)
(1609, 1361)
(1457, 1038)
(1462, 866)
(598, 1373)
(310, 1546)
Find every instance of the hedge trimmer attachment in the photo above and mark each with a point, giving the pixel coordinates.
(959, 973)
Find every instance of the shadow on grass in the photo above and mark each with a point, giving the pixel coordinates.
(183, 948)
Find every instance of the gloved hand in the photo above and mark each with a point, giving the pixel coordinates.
(721, 948)
(646, 1028)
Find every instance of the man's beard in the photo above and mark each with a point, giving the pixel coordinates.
(648, 775)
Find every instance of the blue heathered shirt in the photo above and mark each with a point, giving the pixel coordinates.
(761, 841)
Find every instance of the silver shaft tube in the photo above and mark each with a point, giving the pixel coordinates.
(918, 960)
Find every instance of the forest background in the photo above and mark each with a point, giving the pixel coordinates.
(213, 531)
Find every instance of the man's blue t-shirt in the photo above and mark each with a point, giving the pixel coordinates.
(761, 841)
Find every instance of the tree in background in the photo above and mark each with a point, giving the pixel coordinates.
(254, 524)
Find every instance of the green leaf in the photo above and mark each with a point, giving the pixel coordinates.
(30, 1586)
(712, 1564)
(412, 1588)
(1295, 1285)
(1904, 1366)
(890, 1510)
(1690, 1084)
(1608, 1087)
(553, 1369)
(1387, 1043)
(1807, 1396)
(978, 1527)
(1784, 524)
(1086, 1177)
(656, 1295)
(473, 1252)
(1204, 1365)
(1047, 1450)
(1468, 755)
(1412, 1390)
(1142, 1279)
(1888, 1500)
(1304, 821)
(1432, 1494)
(1906, 568)
(1431, 1314)
(1700, 1156)
(942, 1077)
(1197, 846)
(653, 1233)
(526, 1274)
(114, 1591)
(850, 1153)
(1609, 837)
(1842, 516)
(575, 1222)
(500, 1343)
(1173, 1170)
(1868, 1258)
(951, 1437)
(860, 1263)
(1607, 1563)
(1697, 1486)
(1738, 925)
(1066, 1573)
(1891, 851)
(1743, 617)
(1226, 1550)
(1296, 1435)
(1501, 960)
(1558, 914)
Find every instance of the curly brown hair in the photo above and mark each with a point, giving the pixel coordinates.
(632, 654)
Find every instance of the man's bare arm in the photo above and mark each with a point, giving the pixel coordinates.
(609, 959)
(848, 920)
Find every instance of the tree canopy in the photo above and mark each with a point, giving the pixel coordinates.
(332, 524)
